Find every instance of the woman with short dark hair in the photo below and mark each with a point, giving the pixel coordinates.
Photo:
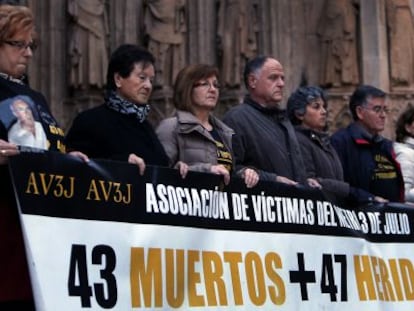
(307, 110)
(118, 129)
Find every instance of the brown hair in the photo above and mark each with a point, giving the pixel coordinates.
(15, 19)
(184, 84)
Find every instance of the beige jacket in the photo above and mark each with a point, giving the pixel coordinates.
(185, 139)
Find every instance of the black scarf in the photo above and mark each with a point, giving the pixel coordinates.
(114, 102)
(277, 113)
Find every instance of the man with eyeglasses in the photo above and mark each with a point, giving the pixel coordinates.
(368, 159)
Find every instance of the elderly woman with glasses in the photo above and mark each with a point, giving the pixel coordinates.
(194, 136)
(307, 110)
(17, 44)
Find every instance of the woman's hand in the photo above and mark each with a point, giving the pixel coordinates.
(134, 159)
(79, 155)
(7, 150)
(312, 182)
(251, 177)
(183, 168)
(221, 170)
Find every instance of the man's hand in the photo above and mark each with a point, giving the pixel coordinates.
(251, 177)
(286, 180)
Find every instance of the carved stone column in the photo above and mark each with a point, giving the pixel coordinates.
(374, 44)
(201, 31)
(125, 22)
(47, 72)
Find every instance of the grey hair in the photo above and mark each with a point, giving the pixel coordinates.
(299, 99)
(253, 66)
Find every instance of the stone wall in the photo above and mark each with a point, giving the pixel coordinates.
(336, 44)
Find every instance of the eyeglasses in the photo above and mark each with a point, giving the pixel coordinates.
(22, 109)
(378, 109)
(22, 45)
(207, 85)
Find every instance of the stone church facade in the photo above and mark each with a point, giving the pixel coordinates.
(336, 44)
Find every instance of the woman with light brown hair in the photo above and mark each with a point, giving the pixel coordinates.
(194, 136)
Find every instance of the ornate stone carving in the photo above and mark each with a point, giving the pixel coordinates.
(286, 29)
(126, 22)
(401, 42)
(88, 43)
(237, 38)
(165, 28)
(337, 31)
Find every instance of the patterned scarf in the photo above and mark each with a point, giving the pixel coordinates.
(10, 78)
(114, 102)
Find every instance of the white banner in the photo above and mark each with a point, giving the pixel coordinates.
(99, 236)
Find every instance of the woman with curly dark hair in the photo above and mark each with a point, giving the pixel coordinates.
(307, 110)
